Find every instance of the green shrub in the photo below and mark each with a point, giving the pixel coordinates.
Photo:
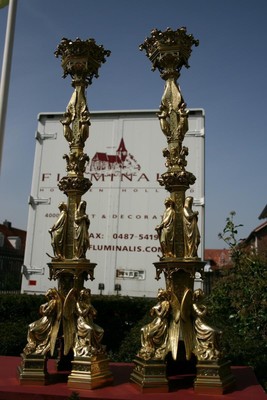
(238, 305)
(131, 343)
(117, 315)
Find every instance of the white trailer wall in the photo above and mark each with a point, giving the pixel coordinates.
(124, 204)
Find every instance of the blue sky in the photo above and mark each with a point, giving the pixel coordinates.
(227, 79)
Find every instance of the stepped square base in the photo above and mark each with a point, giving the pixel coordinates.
(214, 378)
(33, 370)
(90, 372)
(150, 376)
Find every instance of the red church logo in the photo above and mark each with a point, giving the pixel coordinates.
(115, 163)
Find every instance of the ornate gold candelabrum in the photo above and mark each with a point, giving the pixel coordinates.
(178, 329)
(69, 236)
(68, 315)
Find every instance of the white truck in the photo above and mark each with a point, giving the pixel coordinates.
(124, 204)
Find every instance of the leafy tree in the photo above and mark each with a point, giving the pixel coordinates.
(238, 304)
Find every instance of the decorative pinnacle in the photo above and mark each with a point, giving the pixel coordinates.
(169, 51)
(81, 59)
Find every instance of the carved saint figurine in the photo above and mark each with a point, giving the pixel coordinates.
(84, 126)
(191, 232)
(182, 125)
(165, 229)
(68, 133)
(58, 232)
(154, 336)
(88, 334)
(164, 123)
(206, 338)
(81, 226)
(42, 334)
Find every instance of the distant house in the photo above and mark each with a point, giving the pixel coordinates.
(257, 240)
(12, 247)
(217, 259)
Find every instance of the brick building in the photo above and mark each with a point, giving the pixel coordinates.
(216, 260)
(12, 247)
(257, 240)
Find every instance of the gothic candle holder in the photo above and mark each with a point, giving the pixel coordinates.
(67, 317)
(178, 330)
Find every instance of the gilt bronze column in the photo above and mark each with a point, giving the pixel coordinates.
(81, 60)
(67, 317)
(172, 334)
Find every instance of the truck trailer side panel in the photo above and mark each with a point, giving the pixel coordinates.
(124, 204)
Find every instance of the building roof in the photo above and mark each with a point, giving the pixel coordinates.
(122, 146)
(10, 234)
(114, 159)
(100, 157)
(106, 158)
(255, 232)
(218, 258)
(263, 214)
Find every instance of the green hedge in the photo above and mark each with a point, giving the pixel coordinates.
(116, 315)
(16, 312)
